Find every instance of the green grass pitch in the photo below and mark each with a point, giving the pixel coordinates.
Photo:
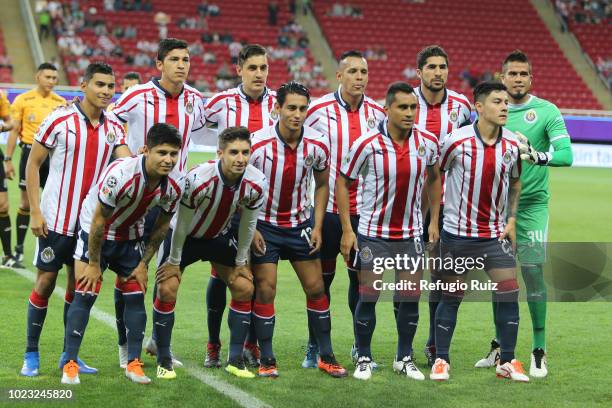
(578, 337)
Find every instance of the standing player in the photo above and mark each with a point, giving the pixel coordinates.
(483, 167)
(165, 100)
(214, 192)
(542, 124)
(78, 140)
(290, 154)
(5, 220)
(342, 116)
(440, 111)
(250, 105)
(393, 160)
(28, 111)
(129, 80)
(111, 235)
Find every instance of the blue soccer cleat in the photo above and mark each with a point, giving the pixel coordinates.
(312, 356)
(83, 368)
(31, 364)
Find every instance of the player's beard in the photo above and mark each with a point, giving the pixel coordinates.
(517, 96)
(434, 88)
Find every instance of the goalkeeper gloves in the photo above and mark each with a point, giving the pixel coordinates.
(531, 155)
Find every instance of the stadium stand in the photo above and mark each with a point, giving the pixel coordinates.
(6, 68)
(127, 39)
(477, 35)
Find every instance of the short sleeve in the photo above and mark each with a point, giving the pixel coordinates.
(109, 188)
(515, 171)
(356, 158)
(322, 160)
(212, 109)
(257, 194)
(188, 198)
(5, 106)
(126, 104)
(434, 151)
(48, 132)
(169, 200)
(17, 109)
(447, 153)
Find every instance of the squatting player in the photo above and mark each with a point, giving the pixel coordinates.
(78, 140)
(290, 154)
(482, 164)
(542, 125)
(111, 236)
(250, 105)
(214, 192)
(342, 116)
(393, 160)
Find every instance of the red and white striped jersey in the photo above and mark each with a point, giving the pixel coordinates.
(289, 173)
(333, 117)
(123, 187)
(440, 119)
(477, 181)
(234, 108)
(393, 178)
(216, 201)
(144, 105)
(78, 153)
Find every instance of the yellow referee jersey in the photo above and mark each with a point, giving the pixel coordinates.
(30, 109)
(5, 106)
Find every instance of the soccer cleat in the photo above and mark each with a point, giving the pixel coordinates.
(151, 349)
(329, 365)
(492, 358)
(123, 355)
(363, 369)
(212, 356)
(31, 364)
(134, 372)
(406, 367)
(238, 368)
(512, 370)
(312, 356)
(439, 371)
(18, 255)
(539, 366)
(11, 262)
(165, 370)
(251, 354)
(70, 373)
(267, 368)
(83, 368)
(430, 355)
(355, 357)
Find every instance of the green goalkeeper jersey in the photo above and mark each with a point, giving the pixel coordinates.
(542, 123)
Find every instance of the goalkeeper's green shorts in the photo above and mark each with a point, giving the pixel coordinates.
(532, 233)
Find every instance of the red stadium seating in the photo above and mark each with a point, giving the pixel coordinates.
(595, 39)
(477, 35)
(6, 74)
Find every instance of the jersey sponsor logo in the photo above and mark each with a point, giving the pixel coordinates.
(366, 255)
(422, 151)
(371, 123)
(189, 108)
(47, 255)
(111, 182)
(309, 160)
(454, 116)
(110, 138)
(530, 116)
(507, 157)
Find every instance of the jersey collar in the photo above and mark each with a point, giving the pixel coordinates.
(499, 135)
(343, 103)
(248, 98)
(521, 105)
(77, 107)
(278, 135)
(155, 82)
(420, 94)
(384, 129)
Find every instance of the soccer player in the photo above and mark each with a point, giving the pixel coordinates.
(111, 235)
(342, 116)
(165, 100)
(78, 140)
(290, 154)
(393, 160)
(483, 167)
(440, 111)
(214, 192)
(540, 125)
(5, 220)
(28, 111)
(250, 105)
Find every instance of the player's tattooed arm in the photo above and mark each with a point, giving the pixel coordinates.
(96, 232)
(159, 233)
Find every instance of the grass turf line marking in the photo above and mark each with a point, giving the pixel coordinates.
(242, 398)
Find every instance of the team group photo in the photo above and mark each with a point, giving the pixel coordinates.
(193, 195)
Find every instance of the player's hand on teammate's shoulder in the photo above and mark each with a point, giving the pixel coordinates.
(167, 271)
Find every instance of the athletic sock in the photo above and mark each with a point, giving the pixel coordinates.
(446, 320)
(119, 310)
(536, 299)
(239, 321)
(77, 319)
(365, 323)
(163, 320)
(264, 326)
(37, 311)
(407, 321)
(353, 293)
(216, 293)
(507, 320)
(320, 321)
(23, 223)
(434, 300)
(68, 299)
(135, 318)
(5, 233)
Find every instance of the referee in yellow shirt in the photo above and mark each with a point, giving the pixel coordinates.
(5, 220)
(28, 111)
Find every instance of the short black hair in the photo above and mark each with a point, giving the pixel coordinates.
(168, 44)
(46, 65)
(97, 68)
(248, 51)
(132, 76)
(291, 87)
(350, 53)
(396, 88)
(428, 52)
(516, 56)
(233, 133)
(483, 89)
(163, 133)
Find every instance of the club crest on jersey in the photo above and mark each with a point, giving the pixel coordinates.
(189, 108)
(110, 138)
(507, 157)
(31, 117)
(274, 115)
(371, 123)
(47, 255)
(530, 116)
(422, 151)
(366, 255)
(309, 160)
(111, 182)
